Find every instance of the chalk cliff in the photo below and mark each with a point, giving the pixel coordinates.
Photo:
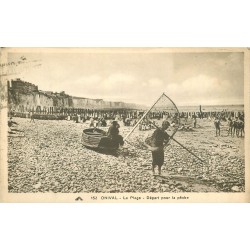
(24, 96)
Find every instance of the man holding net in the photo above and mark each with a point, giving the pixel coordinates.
(155, 143)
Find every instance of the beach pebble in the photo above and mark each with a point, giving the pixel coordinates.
(38, 185)
(235, 189)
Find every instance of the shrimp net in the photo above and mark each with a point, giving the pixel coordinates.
(146, 122)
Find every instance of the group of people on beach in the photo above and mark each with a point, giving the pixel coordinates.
(235, 126)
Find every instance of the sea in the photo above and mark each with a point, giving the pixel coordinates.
(212, 108)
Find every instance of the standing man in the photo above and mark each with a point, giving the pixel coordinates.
(195, 120)
(155, 144)
(217, 126)
(32, 119)
(237, 126)
(230, 126)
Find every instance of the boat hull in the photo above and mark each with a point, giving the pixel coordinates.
(97, 139)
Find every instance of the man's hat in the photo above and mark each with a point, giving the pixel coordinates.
(165, 124)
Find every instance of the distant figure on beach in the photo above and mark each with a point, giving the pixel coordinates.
(82, 118)
(195, 120)
(241, 127)
(32, 118)
(217, 126)
(103, 122)
(12, 113)
(91, 122)
(235, 126)
(201, 113)
(117, 117)
(155, 144)
(78, 119)
(11, 123)
(95, 123)
(238, 127)
(230, 126)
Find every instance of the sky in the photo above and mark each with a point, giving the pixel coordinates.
(140, 77)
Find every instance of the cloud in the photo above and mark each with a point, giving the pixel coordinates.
(119, 87)
(201, 89)
(118, 82)
(115, 85)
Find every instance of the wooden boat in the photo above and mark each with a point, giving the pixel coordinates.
(97, 139)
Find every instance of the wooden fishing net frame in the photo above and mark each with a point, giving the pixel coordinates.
(163, 95)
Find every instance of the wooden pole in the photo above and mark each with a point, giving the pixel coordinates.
(183, 146)
(188, 150)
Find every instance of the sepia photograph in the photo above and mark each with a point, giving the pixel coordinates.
(124, 125)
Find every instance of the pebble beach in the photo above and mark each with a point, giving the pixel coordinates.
(48, 157)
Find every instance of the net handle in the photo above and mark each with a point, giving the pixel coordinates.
(178, 114)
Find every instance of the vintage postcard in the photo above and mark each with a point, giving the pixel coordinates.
(124, 125)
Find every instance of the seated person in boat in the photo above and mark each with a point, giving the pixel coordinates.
(113, 133)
